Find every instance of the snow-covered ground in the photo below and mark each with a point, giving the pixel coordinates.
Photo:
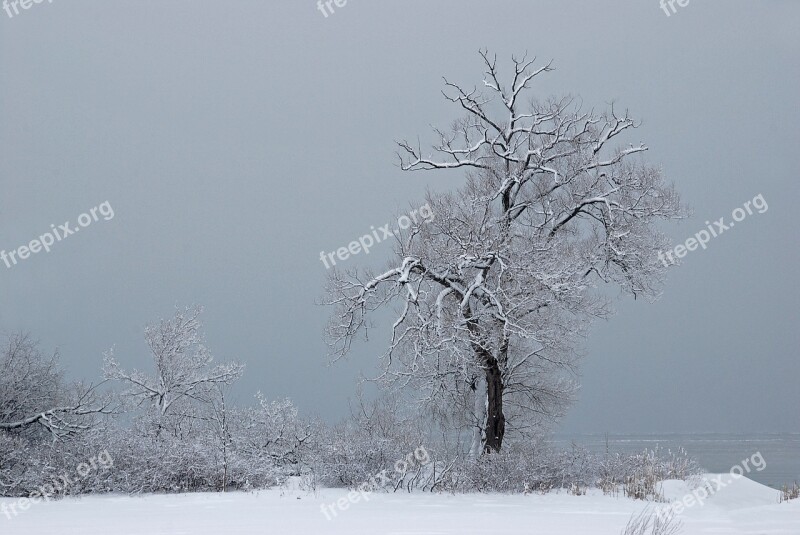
(741, 507)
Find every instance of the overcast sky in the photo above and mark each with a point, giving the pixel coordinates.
(236, 140)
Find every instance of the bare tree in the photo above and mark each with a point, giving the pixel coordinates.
(184, 370)
(34, 394)
(219, 423)
(494, 295)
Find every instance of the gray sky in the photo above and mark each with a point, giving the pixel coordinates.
(236, 140)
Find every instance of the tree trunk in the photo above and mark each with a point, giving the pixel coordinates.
(495, 419)
(495, 427)
(479, 408)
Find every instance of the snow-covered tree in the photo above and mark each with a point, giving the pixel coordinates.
(219, 423)
(185, 374)
(44, 419)
(35, 397)
(272, 433)
(181, 441)
(494, 294)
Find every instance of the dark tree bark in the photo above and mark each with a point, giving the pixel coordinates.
(495, 426)
(495, 419)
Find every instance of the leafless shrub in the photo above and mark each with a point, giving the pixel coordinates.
(639, 475)
(378, 436)
(576, 489)
(789, 492)
(529, 468)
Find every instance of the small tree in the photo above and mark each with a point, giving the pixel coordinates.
(219, 423)
(494, 295)
(274, 435)
(185, 379)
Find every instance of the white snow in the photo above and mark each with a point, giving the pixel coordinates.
(742, 507)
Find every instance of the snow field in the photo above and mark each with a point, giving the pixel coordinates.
(743, 507)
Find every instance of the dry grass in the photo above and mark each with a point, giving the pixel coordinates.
(789, 492)
(649, 522)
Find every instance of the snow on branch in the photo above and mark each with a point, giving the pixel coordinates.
(184, 367)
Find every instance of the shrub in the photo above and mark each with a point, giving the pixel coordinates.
(789, 492)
